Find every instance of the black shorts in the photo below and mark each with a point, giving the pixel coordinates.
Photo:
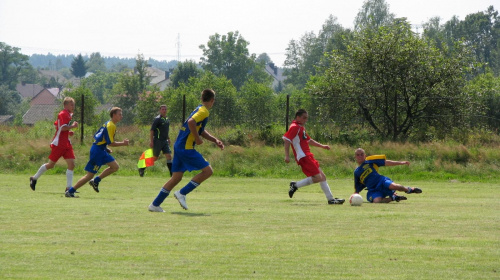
(161, 146)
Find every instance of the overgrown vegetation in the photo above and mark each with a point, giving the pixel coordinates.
(259, 153)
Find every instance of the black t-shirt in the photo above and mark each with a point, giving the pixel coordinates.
(160, 128)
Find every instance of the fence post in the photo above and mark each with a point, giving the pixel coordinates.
(183, 108)
(287, 111)
(81, 125)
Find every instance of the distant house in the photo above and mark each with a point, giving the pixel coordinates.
(276, 73)
(47, 96)
(58, 77)
(28, 91)
(41, 112)
(158, 77)
(6, 119)
(44, 102)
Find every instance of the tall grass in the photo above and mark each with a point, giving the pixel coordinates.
(259, 153)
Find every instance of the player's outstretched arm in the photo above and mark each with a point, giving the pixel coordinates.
(205, 134)
(318, 144)
(394, 163)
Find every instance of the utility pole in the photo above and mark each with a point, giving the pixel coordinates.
(178, 44)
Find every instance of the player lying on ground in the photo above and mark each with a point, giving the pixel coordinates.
(380, 188)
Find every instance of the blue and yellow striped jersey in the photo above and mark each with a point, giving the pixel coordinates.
(185, 140)
(366, 175)
(106, 134)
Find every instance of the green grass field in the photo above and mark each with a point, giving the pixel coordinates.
(241, 228)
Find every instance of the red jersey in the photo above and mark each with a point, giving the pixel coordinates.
(61, 138)
(299, 140)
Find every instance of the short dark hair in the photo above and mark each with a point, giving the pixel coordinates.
(207, 95)
(300, 112)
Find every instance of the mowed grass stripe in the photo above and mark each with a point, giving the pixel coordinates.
(240, 228)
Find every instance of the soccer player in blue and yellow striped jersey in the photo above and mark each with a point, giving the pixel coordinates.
(380, 188)
(186, 158)
(100, 154)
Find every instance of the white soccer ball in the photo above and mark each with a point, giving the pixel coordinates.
(356, 200)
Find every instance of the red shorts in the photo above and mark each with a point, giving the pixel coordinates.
(309, 166)
(58, 152)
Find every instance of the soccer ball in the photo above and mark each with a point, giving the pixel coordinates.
(356, 200)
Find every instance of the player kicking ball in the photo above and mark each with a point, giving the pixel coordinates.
(297, 137)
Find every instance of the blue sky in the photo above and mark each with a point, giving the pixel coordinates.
(163, 29)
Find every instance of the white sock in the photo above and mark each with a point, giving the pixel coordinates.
(69, 178)
(304, 182)
(40, 172)
(326, 190)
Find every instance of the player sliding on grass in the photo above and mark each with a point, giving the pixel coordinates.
(298, 138)
(186, 158)
(380, 188)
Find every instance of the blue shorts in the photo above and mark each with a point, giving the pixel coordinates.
(98, 157)
(381, 190)
(188, 160)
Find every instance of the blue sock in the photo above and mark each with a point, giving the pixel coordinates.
(161, 197)
(97, 179)
(189, 187)
(71, 190)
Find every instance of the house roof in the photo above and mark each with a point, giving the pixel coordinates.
(40, 113)
(55, 91)
(6, 118)
(44, 97)
(275, 72)
(157, 75)
(28, 90)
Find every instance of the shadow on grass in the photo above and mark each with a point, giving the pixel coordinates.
(189, 214)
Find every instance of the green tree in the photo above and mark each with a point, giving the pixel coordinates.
(78, 66)
(251, 94)
(96, 63)
(373, 14)
(119, 67)
(101, 85)
(228, 56)
(184, 71)
(9, 101)
(140, 70)
(481, 32)
(487, 87)
(29, 75)
(125, 95)
(263, 57)
(303, 57)
(12, 64)
(90, 105)
(225, 112)
(148, 105)
(130, 85)
(396, 83)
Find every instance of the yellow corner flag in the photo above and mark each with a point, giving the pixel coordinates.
(146, 159)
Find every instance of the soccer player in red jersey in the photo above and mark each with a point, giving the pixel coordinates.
(61, 145)
(297, 137)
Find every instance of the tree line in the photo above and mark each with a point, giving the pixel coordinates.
(383, 79)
